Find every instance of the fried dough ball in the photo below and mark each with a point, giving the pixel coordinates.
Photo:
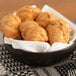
(64, 27)
(66, 37)
(10, 26)
(55, 34)
(31, 31)
(27, 25)
(44, 18)
(28, 13)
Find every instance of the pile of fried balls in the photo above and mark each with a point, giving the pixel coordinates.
(31, 24)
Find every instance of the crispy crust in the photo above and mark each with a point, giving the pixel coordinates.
(54, 34)
(54, 27)
(44, 19)
(10, 26)
(28, 13)
(31, 31)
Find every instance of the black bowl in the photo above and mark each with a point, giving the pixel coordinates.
(40, 59)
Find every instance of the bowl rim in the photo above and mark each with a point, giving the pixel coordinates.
(61, 50)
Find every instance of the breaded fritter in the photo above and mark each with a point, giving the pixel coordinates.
(55, 34)
(31, 31)
(28, 13)
(44, 19)
(10, 26)
(64, 26)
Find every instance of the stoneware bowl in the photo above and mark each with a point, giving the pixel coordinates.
(40, 59)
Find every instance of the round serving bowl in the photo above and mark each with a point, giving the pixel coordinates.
(40, 59)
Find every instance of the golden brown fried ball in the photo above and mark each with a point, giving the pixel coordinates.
(31, 31)
(54, 27)
(55, 34)
(27, 25)
(10, 26)
(64, 27)
(44, 18)
(28, 13)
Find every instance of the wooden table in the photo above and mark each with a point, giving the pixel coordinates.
(66, 7)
